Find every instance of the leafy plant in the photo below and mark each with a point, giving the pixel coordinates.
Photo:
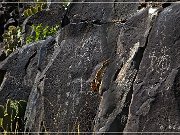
(13, 36)
(12, 39)
(41, 32)
(39, 6)
(12, 116)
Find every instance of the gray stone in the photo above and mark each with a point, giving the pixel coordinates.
(102, 12)
(20, 69)
(155, 103)
(112, 117)
(113, 68)
(49, 17)
(64, 85)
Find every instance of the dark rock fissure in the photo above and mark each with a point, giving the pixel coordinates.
(117, 72)
(138, 57)
(114, 6)
(120, 121)
(176, 88)
(164, 5)
(97, 22)
(2, 74)
(32, 56)
(2, 56)
(65, 20)
(137, 62)
(142, 5)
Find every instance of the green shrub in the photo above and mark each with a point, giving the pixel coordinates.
(12, 116)
(39, 6)
(13, 36)
(41, 33)
(12, 39)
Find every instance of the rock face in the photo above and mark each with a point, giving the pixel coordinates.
(155, 102)
(117, 96)
(20, 70)
(114, 67)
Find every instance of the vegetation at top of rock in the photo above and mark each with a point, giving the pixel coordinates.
(41, 32)
(39, 6)
(66, 3)
(12, 39)
(12, 116)
(13, 36)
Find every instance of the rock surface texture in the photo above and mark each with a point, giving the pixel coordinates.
(112, 67)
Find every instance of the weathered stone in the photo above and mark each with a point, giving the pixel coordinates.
(137, 91)
(64, 85)
(10, 22)
(113, 114)
(2, 54)
(155, 103)
(21, 68)
(48, 17)
(102, 12)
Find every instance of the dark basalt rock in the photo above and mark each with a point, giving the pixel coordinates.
(155, 104)
(114, 106)
(10, 22)
(44, 17)
(105, 12)
(67, 78)
(138, 90)
(21, 69)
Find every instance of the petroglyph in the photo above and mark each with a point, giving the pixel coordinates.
(160, 64)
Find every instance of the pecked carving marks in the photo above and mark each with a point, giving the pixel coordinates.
(155, 103)
(161, 63)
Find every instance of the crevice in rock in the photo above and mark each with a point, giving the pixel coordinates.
(65, 20)
(176, 88)
(7, 96)
(138, 57)
(123, 21)
(137, 61)
(114, 6)
(2, 56)
(97, 22)
(117, 72)
(28, 62)
(164, 5)
(120, 121)
(2, 74)
(142, 5)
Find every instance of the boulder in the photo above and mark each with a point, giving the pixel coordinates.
(19, 70)
(114, 67)
(116, 87)
(64, 85)
(155, 98)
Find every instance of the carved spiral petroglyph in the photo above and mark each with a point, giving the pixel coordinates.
(160, 64)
